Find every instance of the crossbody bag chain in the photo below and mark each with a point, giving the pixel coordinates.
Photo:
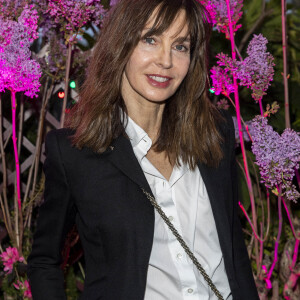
(183, 244)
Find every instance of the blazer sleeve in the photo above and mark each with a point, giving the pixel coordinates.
(56, 216)
(243, 271)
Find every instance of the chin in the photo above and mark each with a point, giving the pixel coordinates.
(158, 98)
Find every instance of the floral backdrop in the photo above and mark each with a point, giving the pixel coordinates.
(254, 73)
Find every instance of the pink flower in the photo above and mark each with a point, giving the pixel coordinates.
(223, 104)
(222, 81)
(29, 19)
(24, 287)
(18, 72)
(218, 13)
(9, 257)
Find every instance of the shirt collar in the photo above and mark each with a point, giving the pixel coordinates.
(134, 132)
(137, 137)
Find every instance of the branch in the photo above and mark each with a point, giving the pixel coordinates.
(258, 22)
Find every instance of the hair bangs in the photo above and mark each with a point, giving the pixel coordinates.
(165, 14)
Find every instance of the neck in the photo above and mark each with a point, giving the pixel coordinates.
(147, 115)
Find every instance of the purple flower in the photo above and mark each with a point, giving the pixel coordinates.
(257, 70)
(73, 15)
(277, 156)
(18, 72)
(218, 13)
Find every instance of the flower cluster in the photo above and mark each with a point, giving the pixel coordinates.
(17, 71)
(223, 104)
(9, 258)
(277, 156)
(24, 287)
(218, 14)
(221, 81)
(11, 9)
(255, 71)
(73, 15)
(29, 19)
(23, 12)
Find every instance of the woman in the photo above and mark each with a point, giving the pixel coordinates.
(144, 128)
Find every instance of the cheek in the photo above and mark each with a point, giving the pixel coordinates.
(134, 66)
(183, 67)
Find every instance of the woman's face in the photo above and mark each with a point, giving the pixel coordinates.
(158, 64)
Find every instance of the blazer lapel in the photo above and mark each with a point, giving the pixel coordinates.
(217, 197)
(122, 156)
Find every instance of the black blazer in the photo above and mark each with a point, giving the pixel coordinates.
(102, 194)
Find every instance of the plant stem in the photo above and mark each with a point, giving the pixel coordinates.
(295, 254)
(17, 197)
(21, 121)
(261, 248)
(46, 97)
(245, 125)
(261, 107)
(285, 65)
(278, 236)
(67, 78)
(289, 214)
(290, 284)
(238, 115)
(14, 138)
(5, 209)
(257, 237)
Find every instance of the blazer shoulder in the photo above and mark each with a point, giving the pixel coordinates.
(62, 136)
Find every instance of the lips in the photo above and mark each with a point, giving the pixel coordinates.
(158, 80)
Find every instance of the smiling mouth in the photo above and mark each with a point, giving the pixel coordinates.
(159, 78)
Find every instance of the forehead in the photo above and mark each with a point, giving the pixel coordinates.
(159, 24)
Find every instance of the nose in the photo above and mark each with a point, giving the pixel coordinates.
(164, 58)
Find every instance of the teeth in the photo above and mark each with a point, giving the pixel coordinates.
(159, 79)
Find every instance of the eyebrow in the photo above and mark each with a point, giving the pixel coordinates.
(179, 39)
(182, 39)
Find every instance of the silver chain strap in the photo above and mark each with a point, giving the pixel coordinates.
(183, 244)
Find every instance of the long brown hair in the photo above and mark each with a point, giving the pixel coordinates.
(189, 127)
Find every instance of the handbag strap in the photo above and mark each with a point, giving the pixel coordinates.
(183, 244)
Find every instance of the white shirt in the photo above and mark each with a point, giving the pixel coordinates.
(171, 274)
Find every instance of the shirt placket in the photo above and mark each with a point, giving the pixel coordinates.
(164, 194)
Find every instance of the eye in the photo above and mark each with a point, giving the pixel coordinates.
(149, 40)
(181, 48)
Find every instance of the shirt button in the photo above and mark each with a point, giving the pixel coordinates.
(179, 255)
(171, 218)
(190, 291)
